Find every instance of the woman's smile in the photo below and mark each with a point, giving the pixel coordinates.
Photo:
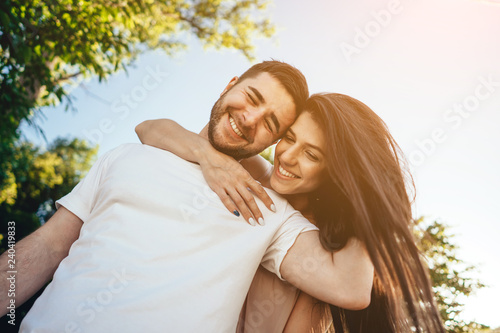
(299, 163)
(285, 173)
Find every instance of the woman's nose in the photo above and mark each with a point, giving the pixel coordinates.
(289, 156)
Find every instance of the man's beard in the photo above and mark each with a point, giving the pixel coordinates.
(218, 141)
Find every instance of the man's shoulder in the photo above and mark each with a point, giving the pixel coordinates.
(128, 147)
(152, 159)
(122, 150)
(138, 150)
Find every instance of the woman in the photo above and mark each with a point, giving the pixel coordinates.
(339, 166)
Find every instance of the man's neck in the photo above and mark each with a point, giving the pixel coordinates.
(204, 132)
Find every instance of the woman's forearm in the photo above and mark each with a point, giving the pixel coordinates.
(308, 315)
(168, 135)
(343, 278)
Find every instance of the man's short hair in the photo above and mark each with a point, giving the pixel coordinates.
(290, 77)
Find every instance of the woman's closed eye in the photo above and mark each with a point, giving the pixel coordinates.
(288, 138)
(312, 156)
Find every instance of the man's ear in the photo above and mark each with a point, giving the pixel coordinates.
(230, 84)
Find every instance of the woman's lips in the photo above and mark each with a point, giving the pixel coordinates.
(286, 173)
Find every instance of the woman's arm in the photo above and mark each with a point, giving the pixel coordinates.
(166, 134)
(227, 178)
(308, 315)
(343, 278)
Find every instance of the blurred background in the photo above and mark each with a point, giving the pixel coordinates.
(76, 77)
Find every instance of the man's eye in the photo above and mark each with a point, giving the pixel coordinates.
(251, 98)
(268, 125)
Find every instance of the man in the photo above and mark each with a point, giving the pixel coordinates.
(153, 249)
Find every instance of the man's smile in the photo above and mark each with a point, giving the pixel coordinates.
(235, 128)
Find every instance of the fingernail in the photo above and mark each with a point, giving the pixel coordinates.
(251, 221)
(235, 212)
(273, 208)
(261, 221)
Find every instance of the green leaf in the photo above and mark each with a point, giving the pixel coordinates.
(4, 19)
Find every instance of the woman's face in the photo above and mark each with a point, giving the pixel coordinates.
(299, 160)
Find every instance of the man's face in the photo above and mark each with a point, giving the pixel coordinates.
(250, 115)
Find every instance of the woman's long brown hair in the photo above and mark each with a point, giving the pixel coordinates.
(367, 197)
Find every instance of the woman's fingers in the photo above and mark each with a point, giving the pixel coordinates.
(236, 189)
(228, 202)
(259, 191)
(242, 206)
(251, 204)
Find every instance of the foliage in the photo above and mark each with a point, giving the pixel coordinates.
(450, 276)
(496, 330)
(38, 178)
(268, 154)
(46, 45)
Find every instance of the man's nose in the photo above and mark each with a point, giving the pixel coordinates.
(252, 116)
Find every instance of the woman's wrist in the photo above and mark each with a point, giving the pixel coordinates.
(202, 150)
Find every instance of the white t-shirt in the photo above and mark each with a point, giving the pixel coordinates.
(158, 252)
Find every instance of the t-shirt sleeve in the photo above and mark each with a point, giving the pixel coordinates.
(81, 199)
(284, 238)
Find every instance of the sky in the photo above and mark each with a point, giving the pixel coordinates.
(429, 68)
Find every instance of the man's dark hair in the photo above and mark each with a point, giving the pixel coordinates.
(290, 77)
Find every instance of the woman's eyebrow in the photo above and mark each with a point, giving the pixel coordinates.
(315, 147)
(307, 143)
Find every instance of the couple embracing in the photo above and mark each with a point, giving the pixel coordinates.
(146, 242)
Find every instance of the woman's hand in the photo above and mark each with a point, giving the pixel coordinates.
(234, 186)
(232, 183)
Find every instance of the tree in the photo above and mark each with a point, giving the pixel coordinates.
(268, 154)
(38, 178)
(45, 45)
(449, 274)
(77, 158)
